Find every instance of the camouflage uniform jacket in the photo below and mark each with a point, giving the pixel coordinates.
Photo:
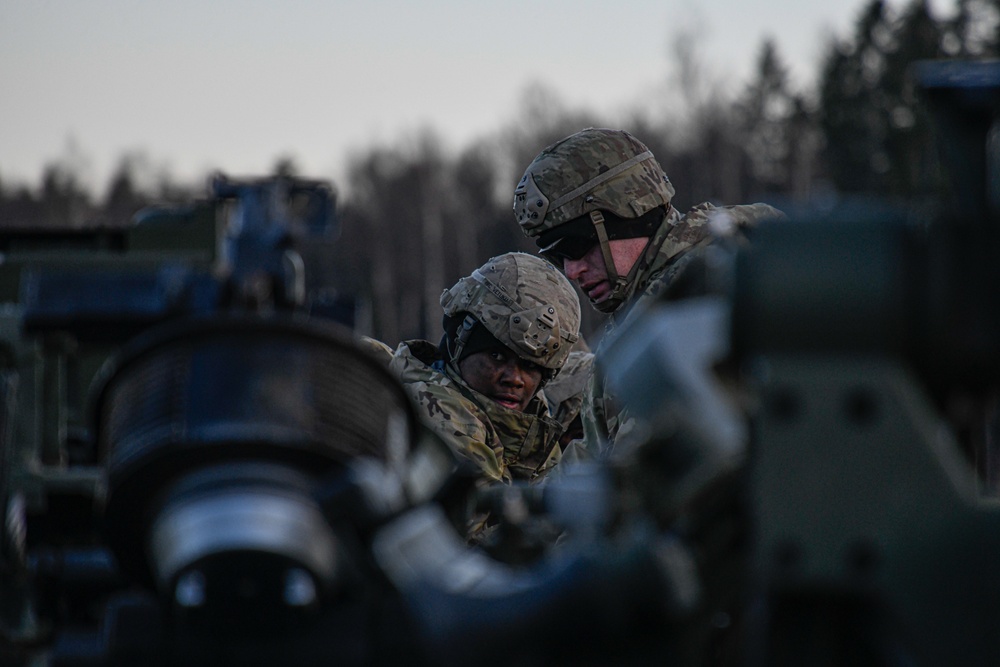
(564, 393)
(677, 241)
(505, 444)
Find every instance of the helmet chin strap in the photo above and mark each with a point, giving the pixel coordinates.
(619, 284)
(461, 338)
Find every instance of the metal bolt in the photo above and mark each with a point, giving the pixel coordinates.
(300, 589)
(190, 589)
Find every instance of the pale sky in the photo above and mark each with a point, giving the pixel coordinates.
(235, 84)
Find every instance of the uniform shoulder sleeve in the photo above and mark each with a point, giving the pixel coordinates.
(461, 424)
(376, 348)
(748, 216)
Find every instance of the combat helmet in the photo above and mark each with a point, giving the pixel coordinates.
(597, 184)
(523, 302)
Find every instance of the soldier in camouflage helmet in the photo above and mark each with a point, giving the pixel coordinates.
(509, 328)
(598, 205)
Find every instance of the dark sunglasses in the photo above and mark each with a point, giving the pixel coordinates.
(571, 247)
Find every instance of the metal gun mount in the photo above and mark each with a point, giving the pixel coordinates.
(263, 218)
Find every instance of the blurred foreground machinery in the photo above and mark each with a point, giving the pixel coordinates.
(188, 463)
(864, 346)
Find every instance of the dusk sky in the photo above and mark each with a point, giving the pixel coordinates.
(235, 84)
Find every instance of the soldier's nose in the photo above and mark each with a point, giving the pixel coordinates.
(573, 268)
(513, 375)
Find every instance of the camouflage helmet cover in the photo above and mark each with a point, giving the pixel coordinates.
(524, 302)
(594, 169)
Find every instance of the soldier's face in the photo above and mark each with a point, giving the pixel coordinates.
(503, 376)
(590, 273)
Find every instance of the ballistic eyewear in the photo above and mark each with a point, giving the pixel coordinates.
(569, 247)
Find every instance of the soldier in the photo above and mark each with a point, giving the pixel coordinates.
(598, 205)
(508, 329)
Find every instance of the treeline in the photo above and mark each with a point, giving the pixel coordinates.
(416, 218)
